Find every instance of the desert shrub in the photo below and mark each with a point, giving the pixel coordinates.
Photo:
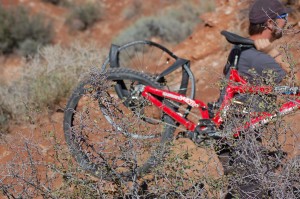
(52, 1)
(262, 170)
(23, 33)
(172, 26)
(149, 27)
(62, 3)
(206, 6)
(84, 16)
(4, 118)
(188, 171)
(54, 177)
(132, 10)
(47, 79)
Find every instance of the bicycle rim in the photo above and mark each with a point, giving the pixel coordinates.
(151, 58)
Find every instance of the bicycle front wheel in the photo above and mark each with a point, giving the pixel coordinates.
(116, 138)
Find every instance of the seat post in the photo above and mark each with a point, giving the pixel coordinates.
(236, 52)
(236, 58)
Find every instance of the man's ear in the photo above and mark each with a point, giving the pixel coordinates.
(270, 24)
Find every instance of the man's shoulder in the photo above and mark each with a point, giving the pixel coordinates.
(256, 55)
(253, 51)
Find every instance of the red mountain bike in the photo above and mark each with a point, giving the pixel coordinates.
(119, 122)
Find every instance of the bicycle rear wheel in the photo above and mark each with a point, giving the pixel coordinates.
(151, 58)
(110, 137)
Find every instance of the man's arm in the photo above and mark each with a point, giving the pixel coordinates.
(279, 59)
(264, 45)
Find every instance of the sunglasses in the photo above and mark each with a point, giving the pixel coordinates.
(283, 16)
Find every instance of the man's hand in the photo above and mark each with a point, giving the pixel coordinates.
(264, 45)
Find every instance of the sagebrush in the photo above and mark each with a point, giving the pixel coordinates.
(20, 32)
(47, 79)
(172, 26)
(83, 16)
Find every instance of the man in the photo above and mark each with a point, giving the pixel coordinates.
(267, 21)
(260, 65)
(264, 65)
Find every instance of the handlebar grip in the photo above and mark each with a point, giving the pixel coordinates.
(286, 90)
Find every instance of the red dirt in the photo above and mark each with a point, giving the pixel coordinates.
(206, 49)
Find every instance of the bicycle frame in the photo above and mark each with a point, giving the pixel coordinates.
(236, 84)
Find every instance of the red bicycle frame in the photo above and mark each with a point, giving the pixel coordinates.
(236, 84)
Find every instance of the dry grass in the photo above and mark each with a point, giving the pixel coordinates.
(47, 79)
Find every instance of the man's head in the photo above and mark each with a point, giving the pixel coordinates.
(268, 15)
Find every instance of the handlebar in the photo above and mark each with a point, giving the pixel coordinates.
(286, 90)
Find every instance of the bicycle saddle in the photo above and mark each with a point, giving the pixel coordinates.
(236, 39)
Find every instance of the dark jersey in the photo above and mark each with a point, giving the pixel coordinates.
(257, 68)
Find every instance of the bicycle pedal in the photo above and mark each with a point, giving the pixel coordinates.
(192, 136)
(185, 134)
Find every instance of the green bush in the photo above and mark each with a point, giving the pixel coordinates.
(21, 32)
(84, 16)
(173, 26)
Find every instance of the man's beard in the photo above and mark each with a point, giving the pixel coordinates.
(277, 33)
